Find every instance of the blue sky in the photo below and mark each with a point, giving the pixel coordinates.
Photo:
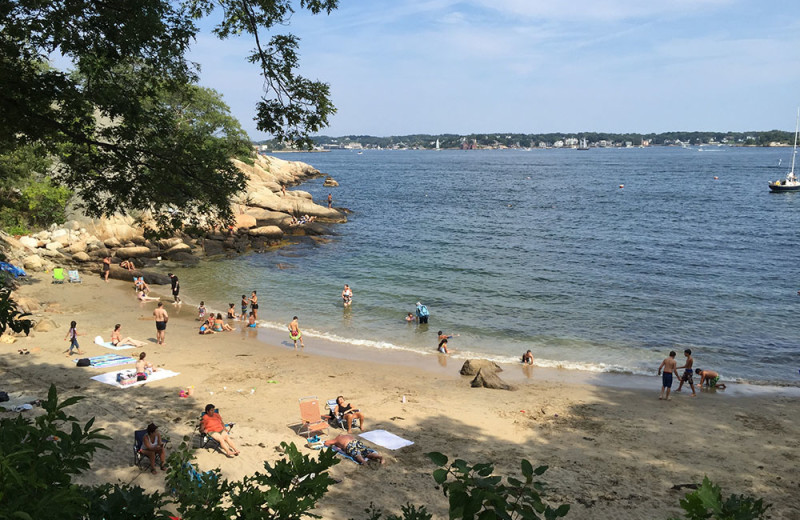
(446, 66)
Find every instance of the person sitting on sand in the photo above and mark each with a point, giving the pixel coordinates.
(143, 368)
(205, 328)
(231, 311)
(443, 347)
(220, 325)
(153, 445)
(709, 378)
(141, 285)
(143, 297)
(348, 413)
(116, 338)
(212, 425)
(354, 449)
(127, 264)
(251, 321)
(527, 358)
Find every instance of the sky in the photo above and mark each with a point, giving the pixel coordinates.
(534, 66)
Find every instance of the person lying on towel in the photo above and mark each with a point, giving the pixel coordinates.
(355, 449)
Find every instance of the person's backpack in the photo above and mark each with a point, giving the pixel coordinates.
(423, 311)
(84, 362)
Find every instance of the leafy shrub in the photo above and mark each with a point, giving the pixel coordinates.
(10, 316)
(40, 458)
(707, 503)
(45, 202)
(475, 493)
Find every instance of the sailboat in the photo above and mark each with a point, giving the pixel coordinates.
(584, 145)
(437, 145)
(790, 183)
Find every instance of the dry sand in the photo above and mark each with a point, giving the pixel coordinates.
(614, 450)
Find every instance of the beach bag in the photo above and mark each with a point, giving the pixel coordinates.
(423, 311)
(126, 377)
(3, 397)
(84, 362)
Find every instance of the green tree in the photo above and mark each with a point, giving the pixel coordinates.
(116, 120)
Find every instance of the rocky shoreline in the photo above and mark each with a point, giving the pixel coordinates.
(265, 215)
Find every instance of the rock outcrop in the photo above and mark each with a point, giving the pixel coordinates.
(472, 366)
(487, 378)
(263, 217)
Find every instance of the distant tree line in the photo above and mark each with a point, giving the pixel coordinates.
(512, 140)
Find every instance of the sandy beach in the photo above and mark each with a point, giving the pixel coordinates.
(614, 450)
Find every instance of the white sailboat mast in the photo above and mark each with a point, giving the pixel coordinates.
(794, 149)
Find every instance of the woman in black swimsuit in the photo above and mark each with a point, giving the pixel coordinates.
(254, 305)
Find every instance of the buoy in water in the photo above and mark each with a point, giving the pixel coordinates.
(621, 186)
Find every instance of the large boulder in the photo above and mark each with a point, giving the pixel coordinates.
(77, 247)
(213, 247)
(45, 325)
(31, 242)
(245, 221)
(112, 243)
(266, 231)
(168, 243)
(487, 378)
(27, 305)
(329, 182)
(265, 217)
(472, 366)
(133, 252)
(54, 246)
(81, 257)
(32, 263)
(151, 278)
(178, 248)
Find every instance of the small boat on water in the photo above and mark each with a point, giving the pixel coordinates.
(791, 182)
(584, 145)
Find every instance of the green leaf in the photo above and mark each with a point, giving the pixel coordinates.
(527, 468)
(540, 470)
(562, 510)
(437, 458)
(440, 475)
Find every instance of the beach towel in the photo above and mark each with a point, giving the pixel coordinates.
(110, 378)
(108, 360)
(385, 439)
(11, 269)
(341, 452)
(107, 344)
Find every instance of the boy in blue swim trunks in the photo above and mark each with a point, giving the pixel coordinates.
(669, 366)
(687, 372)
(355, 449)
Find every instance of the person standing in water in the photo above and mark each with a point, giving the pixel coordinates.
(295, 334)
(330, 200)
(176, 287)
(254, 304)
(347, 295)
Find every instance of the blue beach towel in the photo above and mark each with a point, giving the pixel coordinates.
(108, 360)
(12, 269)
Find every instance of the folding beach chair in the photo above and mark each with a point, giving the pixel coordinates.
(206, 440)
(74, 277)
(58, 275)
(310, 417)
(337, 419)
(138, 443)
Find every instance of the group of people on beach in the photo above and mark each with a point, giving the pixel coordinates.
(669, 367)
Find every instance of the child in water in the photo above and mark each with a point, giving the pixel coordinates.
(201, 312)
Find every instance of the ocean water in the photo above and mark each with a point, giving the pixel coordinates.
(542, 250)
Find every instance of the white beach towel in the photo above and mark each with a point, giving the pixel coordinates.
(110, 378)
(107, 344)
(387, 440)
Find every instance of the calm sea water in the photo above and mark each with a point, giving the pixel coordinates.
(542, 250)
